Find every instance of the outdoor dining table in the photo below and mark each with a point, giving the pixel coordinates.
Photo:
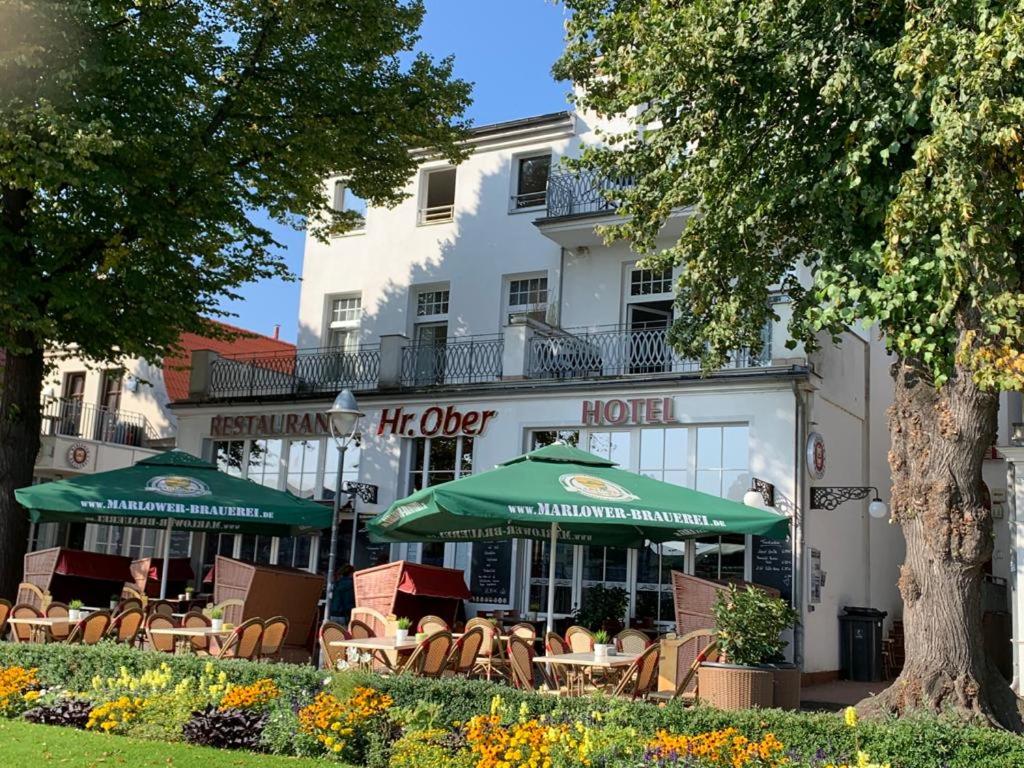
(40, 623)
(183, 635)
(378, 647)
(577, 665)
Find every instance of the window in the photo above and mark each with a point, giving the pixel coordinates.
(430, 336)
(111, 397)
(264, 464)
(646, 282)
(541, 437)
(528, 297)
(438, 199)
(345, 200)
(532, 181)
(345, 316)
(722, 470)
(430, 303)
(436, 460)
(141, 542)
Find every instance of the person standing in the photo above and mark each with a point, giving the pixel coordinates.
(343, 596)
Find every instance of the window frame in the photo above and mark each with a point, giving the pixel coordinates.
(424, 217)
(351, 326)
(508, 308)
(339, 194)
(516, 175)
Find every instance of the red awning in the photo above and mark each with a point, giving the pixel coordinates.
(181, 569)
(431, 581)
(93, 565)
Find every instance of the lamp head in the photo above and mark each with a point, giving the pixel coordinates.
(344, 415)
(878, 509)
(753, 498)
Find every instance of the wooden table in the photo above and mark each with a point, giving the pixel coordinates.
(578, 665)
(387, 649)
(40, 623)
(183, 635)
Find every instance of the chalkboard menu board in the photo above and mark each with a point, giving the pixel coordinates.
(773, 565)
(490, 579)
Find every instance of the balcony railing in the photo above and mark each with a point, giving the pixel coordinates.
(583, 193)
(436, 214)
(620, 351)
(468, 360)
(73, 418)
(324, 369)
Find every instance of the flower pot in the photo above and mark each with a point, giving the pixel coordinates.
(786, 686)
(217, 624)
(113, 604)
(401, 635)
(602, 650)
(181, 597)
(74, 614)
(732, 686)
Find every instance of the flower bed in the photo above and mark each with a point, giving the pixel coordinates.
(408, 722)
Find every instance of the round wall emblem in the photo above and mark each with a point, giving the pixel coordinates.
(178, 485)
(595, 488)
(78, 456)
(816, 455)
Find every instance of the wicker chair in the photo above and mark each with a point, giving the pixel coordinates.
(160, 642)
(430, 659)
(126, 626)
(632, 641)
(703, 644)
(5, 612)
(30, 594)
(360, 630)
(244, 641)
(131, 592)
(275, 630)
(22, 633)
(526, 631)
(556, 646)
(520, 661)
(91, 629)
(127, 604)
(165, 607)
(60, 630)
(432, 624)
(232, 610)
(642, 676)
(196, 620)
(465, 653)
(580, 639)
(331, 632)
(491, 660)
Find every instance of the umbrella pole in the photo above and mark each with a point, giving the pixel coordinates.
(166, 566)
(551, 577)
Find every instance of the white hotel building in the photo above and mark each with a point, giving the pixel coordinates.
(484, 316)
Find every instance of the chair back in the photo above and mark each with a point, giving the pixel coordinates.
(520, 659)
(275, 630)
(467, 648)
(60, 630)
(642, 676)
(244, 641)
(632, 641)
(5, 612)
(479, 621)
(697, 647)
(232, 610)
(91, 629)
(526, 631)
(127, 604)
(131, 592)
(431, 656)
(160, 642)
(556, 644)
(491, 645)
(360, 630)
(196, 620)
(22, 633)
(332, 632)
(580, 639)
(432, 624)
(30, 594)
(126, 625)
(164, 607)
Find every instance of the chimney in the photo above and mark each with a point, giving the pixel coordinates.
(277, 331)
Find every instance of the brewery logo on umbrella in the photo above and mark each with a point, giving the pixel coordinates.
(178, 485)
(595, 487)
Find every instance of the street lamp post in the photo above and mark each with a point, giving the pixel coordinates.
(343, 416)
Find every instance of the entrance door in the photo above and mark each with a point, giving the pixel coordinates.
(429, 349)
(648, 351)
(72, 402)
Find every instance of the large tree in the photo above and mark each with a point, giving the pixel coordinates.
(867, 157)
(138, 141)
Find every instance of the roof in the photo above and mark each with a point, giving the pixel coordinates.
(550, 118)
(178, 366)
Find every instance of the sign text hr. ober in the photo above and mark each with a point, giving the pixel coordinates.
(434, 421)
(640, 410)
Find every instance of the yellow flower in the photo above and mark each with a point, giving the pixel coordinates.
(850, 716)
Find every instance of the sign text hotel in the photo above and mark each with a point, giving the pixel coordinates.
(641, 410)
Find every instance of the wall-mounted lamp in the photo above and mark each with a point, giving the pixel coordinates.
(1017, 434)
(830, 497)
(761, 493)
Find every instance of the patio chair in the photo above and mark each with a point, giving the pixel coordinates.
(126, 626)
(196, 620)
(642, 676)
(59, 631)
(632, 641)
(465, 653)
(30, 594)
(244, 641)
(360, 630)
(165, 607)
(556, 646)
(706, 644)
(23, 633)
(232, 610)
(523, 673)
(90, 630)
(430, 659)
(580, 639)
(5, 612)
(432, 624)
(275, 630)
(160, 642)
(526, 631)
(491, 659)
(331, 632)
(127, 604)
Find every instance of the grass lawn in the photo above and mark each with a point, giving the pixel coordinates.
(25, 745)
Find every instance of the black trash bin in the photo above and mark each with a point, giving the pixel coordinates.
(860, 644)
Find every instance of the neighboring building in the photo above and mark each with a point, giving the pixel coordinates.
(484, 316)
(99, 417)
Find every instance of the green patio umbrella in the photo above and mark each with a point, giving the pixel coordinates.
(173, 490)
(560, 493)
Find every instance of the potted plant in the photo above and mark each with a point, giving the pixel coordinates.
(217, 619)
(75, 610)
(603, 646)
(603, 608)
(402, 629)
(749, 623)
(114, 600)
(189, 591)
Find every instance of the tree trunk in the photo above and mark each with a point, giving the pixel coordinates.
(940, 438)
(21, 375)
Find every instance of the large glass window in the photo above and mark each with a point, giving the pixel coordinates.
(614, 446)
(304, 467)
(664, 454)
(539, 569)
(435, 460)
(645, 282)
(264, 465)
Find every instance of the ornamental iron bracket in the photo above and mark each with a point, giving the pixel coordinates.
(766, 489)
(366, 492)
(830, 497)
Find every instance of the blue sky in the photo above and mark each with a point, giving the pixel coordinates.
(506, 49)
